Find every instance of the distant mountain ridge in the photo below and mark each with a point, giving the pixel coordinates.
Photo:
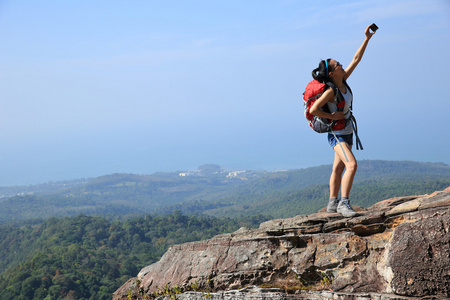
(219, 192)
(289, 193)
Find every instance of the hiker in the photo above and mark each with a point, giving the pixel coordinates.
(332, 70)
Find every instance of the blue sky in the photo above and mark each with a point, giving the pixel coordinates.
(90, 88)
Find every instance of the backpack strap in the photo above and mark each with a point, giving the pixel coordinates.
(337, 99)
(346, 84)
(348, 87)
(359, 145)
(335, 90)
(352, 118)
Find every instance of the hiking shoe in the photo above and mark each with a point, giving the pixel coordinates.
(332, 205)
(345, 209)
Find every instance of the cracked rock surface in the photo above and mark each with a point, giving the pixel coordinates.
(396, 249)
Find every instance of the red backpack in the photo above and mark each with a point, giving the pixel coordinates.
(313, 91)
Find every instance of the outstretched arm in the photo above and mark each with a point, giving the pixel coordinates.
(359, 54)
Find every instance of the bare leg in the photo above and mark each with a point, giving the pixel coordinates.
(350, 168)
(346, 181)
(336, 176)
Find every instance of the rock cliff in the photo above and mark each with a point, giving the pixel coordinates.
(396, 249)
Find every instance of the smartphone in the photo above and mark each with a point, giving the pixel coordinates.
(373, 27)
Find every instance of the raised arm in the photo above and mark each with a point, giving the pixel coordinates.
(359, 54)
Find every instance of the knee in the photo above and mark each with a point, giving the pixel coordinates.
(352, 166)
(339, 168)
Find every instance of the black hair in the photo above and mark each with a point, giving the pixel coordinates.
(320, 74)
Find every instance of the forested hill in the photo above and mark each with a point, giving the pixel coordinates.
(211, 190)
(82, 256)
(86, 257)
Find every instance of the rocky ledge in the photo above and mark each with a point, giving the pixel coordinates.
(396, 249)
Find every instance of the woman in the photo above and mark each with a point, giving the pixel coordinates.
(332, 70)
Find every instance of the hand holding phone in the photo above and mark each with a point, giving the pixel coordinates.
(373, 27)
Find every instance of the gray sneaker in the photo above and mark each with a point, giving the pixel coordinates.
(345, 209)
(332, 205)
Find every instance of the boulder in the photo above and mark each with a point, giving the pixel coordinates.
(398, 248)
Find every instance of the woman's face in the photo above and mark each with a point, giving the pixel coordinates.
(336, 67)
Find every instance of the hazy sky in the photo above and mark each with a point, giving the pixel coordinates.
(90, 88)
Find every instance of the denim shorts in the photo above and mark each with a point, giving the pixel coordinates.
(345, 138)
